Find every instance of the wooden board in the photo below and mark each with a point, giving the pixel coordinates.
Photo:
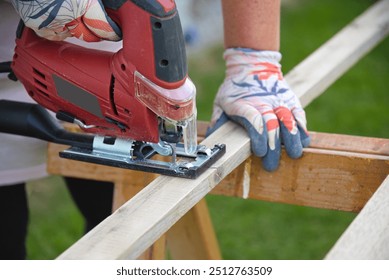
(327, 179)
(338, 172)
(192, 237)
(367, 238)
(349, 143)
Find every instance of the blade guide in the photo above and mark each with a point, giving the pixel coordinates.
(182, 169)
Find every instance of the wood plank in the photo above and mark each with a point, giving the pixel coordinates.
(340, 53)
(367, 237)
(349, 143)
(124, 191)
(142, 220)
(327, 179)
(322, 178)
(192, 237)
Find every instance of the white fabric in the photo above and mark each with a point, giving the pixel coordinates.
(21, 158)
(58, 20)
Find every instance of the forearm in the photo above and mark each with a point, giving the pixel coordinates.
(252, 24)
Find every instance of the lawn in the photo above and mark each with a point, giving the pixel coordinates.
(356, 104)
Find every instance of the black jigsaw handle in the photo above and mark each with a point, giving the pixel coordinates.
(31, 120)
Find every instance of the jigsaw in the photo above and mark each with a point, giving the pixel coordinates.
(132, 104)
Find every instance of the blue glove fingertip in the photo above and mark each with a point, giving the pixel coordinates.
(292, 142)
(304, 137)
(271, 160)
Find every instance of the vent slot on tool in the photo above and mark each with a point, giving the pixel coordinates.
(40, 82)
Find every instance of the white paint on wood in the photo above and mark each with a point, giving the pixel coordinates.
(246, 179)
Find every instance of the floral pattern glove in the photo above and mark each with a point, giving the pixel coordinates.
(59, 19)
(255, 95)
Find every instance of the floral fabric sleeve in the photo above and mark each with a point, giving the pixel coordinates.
(59, 19)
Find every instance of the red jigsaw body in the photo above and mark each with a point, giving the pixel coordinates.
(107, 90)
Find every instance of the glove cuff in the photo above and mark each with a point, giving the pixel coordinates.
(243, 61)
(245, 56)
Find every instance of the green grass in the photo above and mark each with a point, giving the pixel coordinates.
(248, 229)
(55, 223)
(356, 104)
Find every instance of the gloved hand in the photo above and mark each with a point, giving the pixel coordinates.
(255, 95)
(59, 19)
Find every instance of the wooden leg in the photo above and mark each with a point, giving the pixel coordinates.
(123, 191)
(193, 236)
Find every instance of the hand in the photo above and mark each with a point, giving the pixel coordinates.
(58, 19)
(255, 95)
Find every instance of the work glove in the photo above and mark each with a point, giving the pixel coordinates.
(58, 19)
(255, 95)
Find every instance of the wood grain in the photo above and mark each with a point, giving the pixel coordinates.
(367, 237)
(327, 179)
